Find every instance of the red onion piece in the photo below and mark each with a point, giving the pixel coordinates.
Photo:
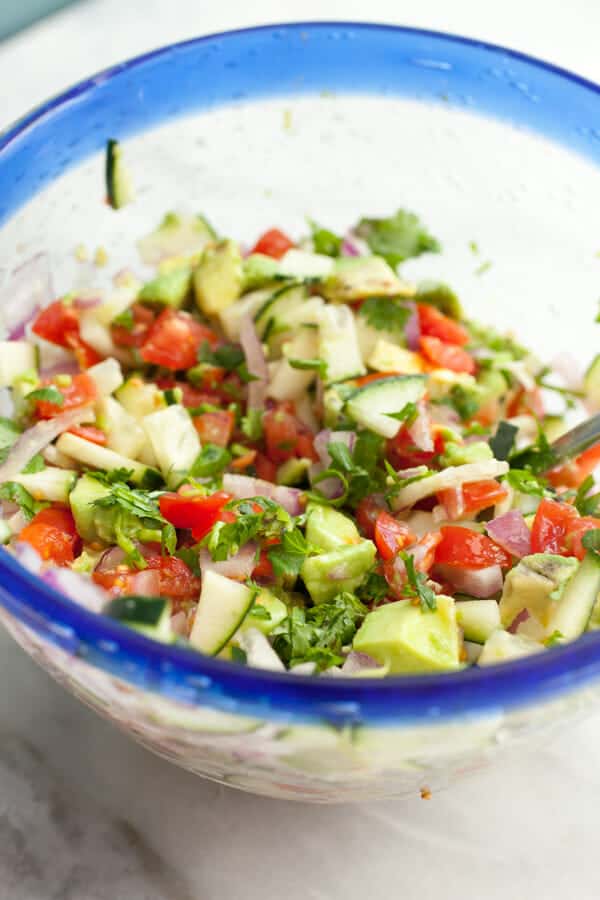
(68, 366)
(511, 532)
(243, 486)
(518, 620)
(146, 583)
(420, 430)
(27, 556)
(480, 583)
(453, 502)
(412, 329)
(255, 362)
(26, 291)
(39, 436)
(115, 556)
(238, 567)
(358, 662)
(86, 302)
(77, 587)
(179, 624)
(349, 247)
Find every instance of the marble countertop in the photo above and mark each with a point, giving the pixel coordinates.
(85, 814)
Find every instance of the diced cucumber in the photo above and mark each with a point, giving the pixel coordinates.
(574, 609)
(478, 619)
(221, 610)
(139, 397)
(259, 271)
(50, 484)
(287, 382)
(272, 316)
(473, 652)
(259, 653)
(302, 264)
(591, 383)
(503, 646)
(107, 376)
(293, 471)
(368, 405)
(169, 288)
(102, 458)
(16, 358)
(231, 317)
(338, 344)
(388, 357)
(95, 333)
(124, 434)
(118, 301)
(174, 440)
(267, 612)
(148, 615)
(175, 236)
(218, 278)
(119, 188)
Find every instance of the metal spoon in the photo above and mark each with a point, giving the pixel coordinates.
(576, 440)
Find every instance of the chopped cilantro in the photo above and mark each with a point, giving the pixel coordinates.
(288, 556)
(526, 482)
(238, 655)
(465, 402)
(325, 241)
(35, 464)
(137, 518)
(555, 639)
(255, 517)
(191, 557)
(591, 540)
(373, 590)
(417, 586)
(407, 414)
(484, 267)
(587, 505)
(537, 457)
(210, 462)
(125, 320)
(251, 424)
(115, 476)
(16, 493)
(385, 314)
(50, 394)
(398, 237)
(319, 365)
(358, 471)
(503, 441)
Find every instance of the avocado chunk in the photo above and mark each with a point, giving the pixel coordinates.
(462, 454)
(406, 639)
(258, 270)
(440, 295)
(340, 569)
(326, 528)
(168, 289)
(355, 278)
(536, 584)
(218, 278)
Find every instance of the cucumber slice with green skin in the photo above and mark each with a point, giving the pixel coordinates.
(174, 441)
(478, 619)
(271, 317)
(222, 608)
(50, 484)
(368, 405)
(119, 189)
(125, 435)
(102, 458)
(574, 609)
(338, 344)
(16, 358)
(148, 615)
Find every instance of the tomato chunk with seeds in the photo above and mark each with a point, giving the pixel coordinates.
(470, 549)
(174, 339)
(79, 392)
(194, 511)
(391, 536)
(53, 535)
(447, 356)
(273, 243)
(434, 323)
(215, 427)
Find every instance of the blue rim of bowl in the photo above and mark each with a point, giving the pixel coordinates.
(186, 675)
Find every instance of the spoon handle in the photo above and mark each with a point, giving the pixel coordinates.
(577, 439)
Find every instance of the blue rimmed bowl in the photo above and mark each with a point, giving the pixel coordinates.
(500, 155)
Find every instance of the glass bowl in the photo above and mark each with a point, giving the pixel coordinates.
(500, 154)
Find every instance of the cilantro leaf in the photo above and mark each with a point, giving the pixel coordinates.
(227, 356)
(385, 314)
(407, 414)
(210, 462)
(319, 365)
(591, 540)
(125, 320)
(503, 441)
(238, 655)
(288, 556)
(191, 557)
(417, 586)
(537, 457)
(466, 402)
(50, 394)
(255, 517)
(525, 482)
(587, 505)
(358, 470)
(35, 464)
(555, 639)
(137, 518)
(397, 238)
(251, 424)
(373, 590)
(115, 476)
(9, 433)
(16, 493)
(325, 241)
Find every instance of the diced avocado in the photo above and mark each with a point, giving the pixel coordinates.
(168, 289)
(176, 235)
(388, 357)
(478, 619)
(338, 344)
(90, 519)
(369, 405)
(536, 584)
(440, 295)
(148, 615)
(140, 398)
(218, 279)
(442, 381)
(97, 457)
(340, 569)
(48, 484)
(355, 278)
(334, 399)
(293, 471)
(326, 528)
(407, 639)
(106, 375)
(16, 359)
(267, 612)
(174, 441)
(461, 454)
(503, 646)
(571, 615)
(258, 270)
(124, 434)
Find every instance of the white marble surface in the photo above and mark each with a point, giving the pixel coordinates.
(87, 815)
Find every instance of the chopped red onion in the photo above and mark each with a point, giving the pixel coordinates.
(255, 362)
(453, 502)
(27, 556)
(358, 662)
(481, 583)
(146, 583)
(420, 430)
(329, 487)
(39, 436)
(26, 291)
(518, 620)
(77, 587)
(349, 247)
(179, 624)
(510, 531)
(115, 556)
(238, 567)
(412, 329)
(243, 486)
(87, 302)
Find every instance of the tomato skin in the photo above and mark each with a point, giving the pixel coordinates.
(571, 474)
(90, 433)
(274, 243)
(402, 452)
(215, 427)
(52, 533)
(391, 536)
(176, 580)
(174, 339)
(476, 496)
(552, 522)
(366, 514)
(372, 376)
(265, 469)
(305, 447)
(576, 532)
(470, 549)
(57, 323)
(243, 462)
(80, 392)
(143, 319)
(447, 356)
(434, 323)
(193, 511)
(281, 434)
(529, 403)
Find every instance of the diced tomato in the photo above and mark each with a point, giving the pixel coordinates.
(265, 469)
(402, 452)
(187, 510)
(90, 433)
(281, 434)
(174, 339)
(210, 378)
(530, 403)
(243, 462)
(372, 376)
(273, 243)
(578, 528)
(464, 547)
(434, 323)
(80, 392)
(305, 447)
(447, 356)
(476, 496)
(367, 513)
(85, 355)
(571, 474)
(394, 568)
(553, 521)
(136, 335)
(52, 533)
(57, 323)
(391, 536)
(175, 580)
(215, 427)
(264, 567)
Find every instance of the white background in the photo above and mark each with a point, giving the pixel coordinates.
(87, 815)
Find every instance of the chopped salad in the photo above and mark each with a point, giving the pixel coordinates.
(294, 458)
